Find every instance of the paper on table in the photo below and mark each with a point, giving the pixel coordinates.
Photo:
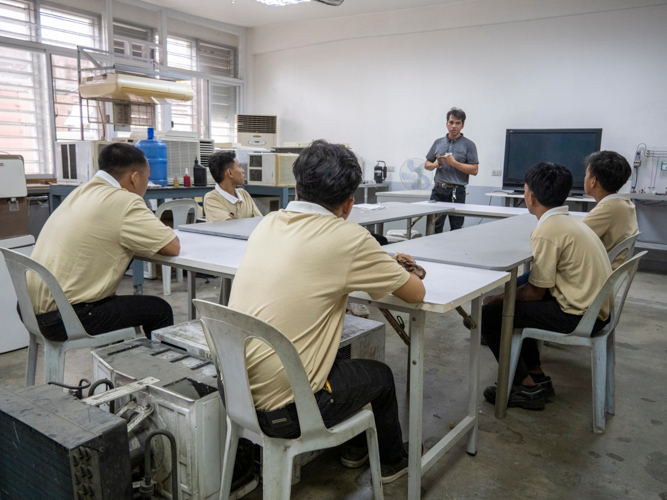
(369, 206)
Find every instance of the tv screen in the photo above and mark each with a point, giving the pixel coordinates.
(526, 147)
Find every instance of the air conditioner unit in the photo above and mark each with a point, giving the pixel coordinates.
(206, 150)
(257, 130)
(242, 156)
(271, 169)
(134, 88)
(76, 161)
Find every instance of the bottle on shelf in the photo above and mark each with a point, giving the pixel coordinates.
(176, 183)
(186, 179)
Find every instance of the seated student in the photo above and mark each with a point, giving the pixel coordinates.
(570, 266)
(614, 218)
(298, 269)
(226, 201)
(88, 242)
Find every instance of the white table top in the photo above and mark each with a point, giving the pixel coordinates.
(583, 198)
(446, 286)
(501, 245)
(238, 228)
(486, 211)
(394, 211)
(410, 193)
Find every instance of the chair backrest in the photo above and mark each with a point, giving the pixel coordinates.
(180, 210)
(623, 275)
(627, 244)
(18, 266)
(227, 332)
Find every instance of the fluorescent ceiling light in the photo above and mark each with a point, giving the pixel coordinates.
(279, 3)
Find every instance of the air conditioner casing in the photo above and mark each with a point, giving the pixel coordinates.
(242, 156)
(76, 161)
(271, 169)
(257, 130)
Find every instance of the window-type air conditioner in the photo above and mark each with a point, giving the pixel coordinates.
(206, 150)
(242, 156)
(257, 130)
(271, 169)
(76, 161)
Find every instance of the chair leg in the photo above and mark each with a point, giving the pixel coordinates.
(517, 342)
(610, 399)
(229, 458)
(166, 280)
(374, 458)
(54, 363)
(179, 275)
(33, 348)
(277, 471)
(599, 379)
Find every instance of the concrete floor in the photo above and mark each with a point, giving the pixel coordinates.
(547, 455)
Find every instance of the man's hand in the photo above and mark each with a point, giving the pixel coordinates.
(493, 299)
(405, 256)
(448, 159)
(232, 217)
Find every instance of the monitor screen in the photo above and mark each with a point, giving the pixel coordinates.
(524, 148)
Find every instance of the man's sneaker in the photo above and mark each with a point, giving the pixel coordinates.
(359, 310)
(544, 381)
(521, 396)
(391, 473)
(354, 457)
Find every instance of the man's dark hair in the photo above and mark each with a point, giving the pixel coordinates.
(118, 158)
(457, 113)
(219, 162)
(326, 174)
(550, 183)
(610, 169)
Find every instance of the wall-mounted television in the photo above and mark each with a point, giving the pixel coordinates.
(526, 147)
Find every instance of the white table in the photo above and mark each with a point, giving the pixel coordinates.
(486, 211)
(446, 288)
(502, 246)
(508, 197)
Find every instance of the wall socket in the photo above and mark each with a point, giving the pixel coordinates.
(391, 169)
(496, 173)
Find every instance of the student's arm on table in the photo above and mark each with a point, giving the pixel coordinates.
(413, 291)
(171, 249)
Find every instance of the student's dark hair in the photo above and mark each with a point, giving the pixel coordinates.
(457, 113)
(550, 183)
(610, 169)
(326, 174)
(118, 158)
(219, 162)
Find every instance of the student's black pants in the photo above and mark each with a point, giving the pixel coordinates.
(545, 314)
(112, 313)
(445, 194)
(354, 384)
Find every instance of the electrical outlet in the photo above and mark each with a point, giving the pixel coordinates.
(496, 173)
(391, 169)
(663, 165)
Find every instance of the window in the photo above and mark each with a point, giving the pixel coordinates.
(24, 117)
(68, 29)
(223, 111)
(133, 40)
(17, 19)
(217, 60)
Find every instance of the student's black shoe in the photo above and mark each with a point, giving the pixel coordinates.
(354, 457)
(544, 381)
(521, 396)
(391, 473)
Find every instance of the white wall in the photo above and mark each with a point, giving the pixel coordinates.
(384, 82)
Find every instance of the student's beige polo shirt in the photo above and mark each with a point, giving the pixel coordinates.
(90, 239)
(298, 269)
(613, 219)
(219, 205)
(570, 260)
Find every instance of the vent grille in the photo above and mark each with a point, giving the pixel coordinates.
(256, 124)
(345, 352)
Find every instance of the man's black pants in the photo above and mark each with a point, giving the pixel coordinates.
(545, 314)
(445, 194)
(112, 313)
(354, 384)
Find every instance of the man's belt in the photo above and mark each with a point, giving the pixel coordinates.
(445, 185)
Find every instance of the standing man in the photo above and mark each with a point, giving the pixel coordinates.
(453, 158)
(226, 201)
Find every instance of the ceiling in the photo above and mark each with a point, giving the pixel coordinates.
(251, 13)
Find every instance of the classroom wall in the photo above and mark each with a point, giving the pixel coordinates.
(383, 82)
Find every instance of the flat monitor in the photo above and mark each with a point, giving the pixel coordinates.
(569, 147)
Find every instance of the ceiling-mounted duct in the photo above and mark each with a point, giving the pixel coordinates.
(134, 88)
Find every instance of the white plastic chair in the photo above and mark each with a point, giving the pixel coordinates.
(77, 338)
(180, 210)
(227, 332)
(627, 244)
(601, 343)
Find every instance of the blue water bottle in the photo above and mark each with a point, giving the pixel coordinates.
(156, 154)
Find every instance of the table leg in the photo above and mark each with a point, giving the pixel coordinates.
(380, 229)
(408, 234)
(506, 344)
(430, 224)
(138, 276)
(225, 290)
(508, 200)
(416, 399)
(192, 294)
(365, 194)
(473, 376)
(284, 198)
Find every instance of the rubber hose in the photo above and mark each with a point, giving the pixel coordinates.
(174, 461)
